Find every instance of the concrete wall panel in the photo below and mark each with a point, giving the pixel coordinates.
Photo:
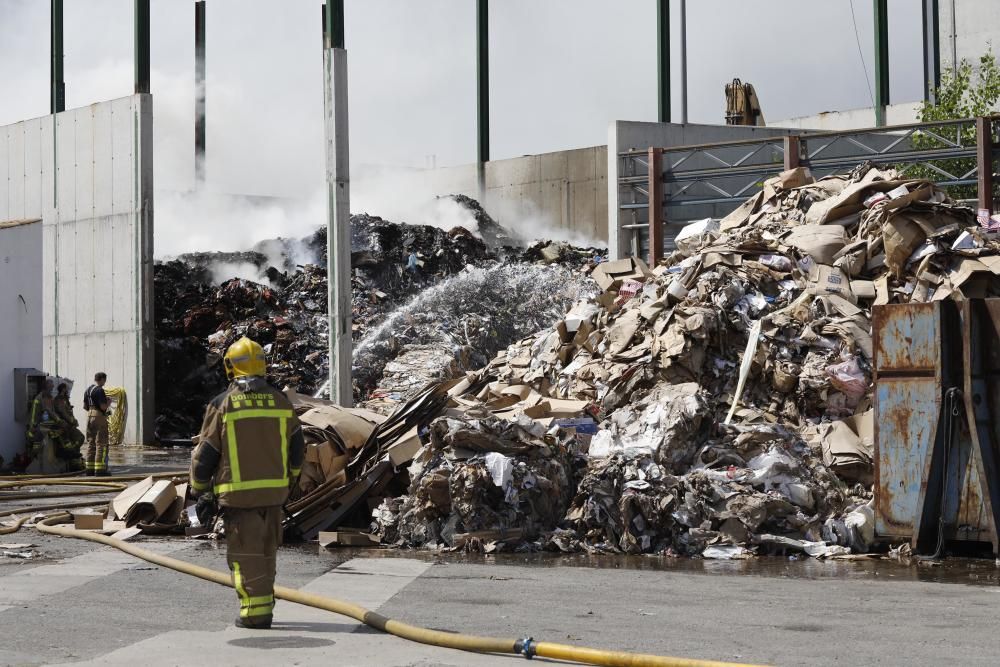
(84, 178)
(15, 175)
(103, 273)
(581, 165)
(122, 167)
(65, 279)
(4, 178)
(83, 161)
(120, 292)
(551, 198)
(583, 206)
(553, 166)
(48, 153)
(103, 155)
(20, 319)
(65, 172)
(533, 189)
(33, 168)
(48, 286)
(517, 171)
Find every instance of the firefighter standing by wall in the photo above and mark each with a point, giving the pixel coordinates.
(249, 453)
(95, 402)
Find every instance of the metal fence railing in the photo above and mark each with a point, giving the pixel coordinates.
(710, 180)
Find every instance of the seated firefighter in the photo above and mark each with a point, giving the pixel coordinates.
(45, 420)
(73, 437)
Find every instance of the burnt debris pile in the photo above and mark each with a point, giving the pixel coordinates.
(276, 293)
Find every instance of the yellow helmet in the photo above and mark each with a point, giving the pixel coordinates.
(244, 357)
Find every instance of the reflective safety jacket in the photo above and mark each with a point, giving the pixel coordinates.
(250, 447)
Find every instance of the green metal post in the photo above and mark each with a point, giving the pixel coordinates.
(663, 60)
(335, 23)
(141, 32)
(483, 89)
(199, 99)
(57, 85)
(881, 60)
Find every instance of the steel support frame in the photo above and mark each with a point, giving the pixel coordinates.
(985, 149)
(656, 217)
(881, 60)
(793, 151)
(807, 150)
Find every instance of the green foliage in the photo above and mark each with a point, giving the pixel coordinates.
(963, 93)
(960, 97)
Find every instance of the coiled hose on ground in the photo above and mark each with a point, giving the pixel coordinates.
(525, 647)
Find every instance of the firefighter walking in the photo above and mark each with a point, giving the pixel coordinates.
(249, 453)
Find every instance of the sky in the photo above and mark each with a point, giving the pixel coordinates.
(561, 71)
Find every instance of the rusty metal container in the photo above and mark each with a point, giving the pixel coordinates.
(929, 473)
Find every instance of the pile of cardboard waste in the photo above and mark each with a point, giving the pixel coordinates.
(151, 506)
(715, 405)
(732, 384)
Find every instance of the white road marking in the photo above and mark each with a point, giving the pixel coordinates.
(31, 584)
(303, 635)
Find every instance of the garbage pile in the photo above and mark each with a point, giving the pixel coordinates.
(471, 301)
(480, 482)
(732, 382)
(458, 325)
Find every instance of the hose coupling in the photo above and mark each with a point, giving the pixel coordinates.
(526, 647)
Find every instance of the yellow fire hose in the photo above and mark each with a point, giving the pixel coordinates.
(525, 647)
(7, 530)
(105, 485)
(56, 480)
(31, 511)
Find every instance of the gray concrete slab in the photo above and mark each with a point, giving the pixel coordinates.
(771, 612)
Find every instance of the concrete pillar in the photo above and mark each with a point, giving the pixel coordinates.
(338, 225)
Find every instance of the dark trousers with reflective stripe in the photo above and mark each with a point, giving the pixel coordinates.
(252, 540)
(96, 453)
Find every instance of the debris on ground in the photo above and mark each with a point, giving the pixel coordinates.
(154, 506)
(481, 480)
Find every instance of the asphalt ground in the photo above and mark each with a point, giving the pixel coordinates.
(83, 603)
